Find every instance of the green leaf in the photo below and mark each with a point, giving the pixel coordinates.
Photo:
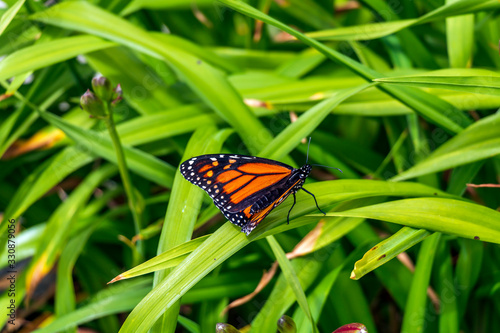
(167, 259)
(318, 297)
(215, 250)
(115, 299)
(65, 290)
(186, 65)
(138, 161)
(363, 32)
(378, 30)
(9, 15)
(282, 296)
(306, 124)
(460, 39)
(468, 80)
(467, 271)
(136, 5)
(370, 103)
(189, 325)
(479, 141)
(386, 250)
(20, 121)
(449, 216)
(120, 65)
(429, 106)
(206, 81)
(291, 279)
(416, 307)
(57, 230)
(138, 130)
(228, 239)
(183, 209)
(29, 238)
(221, 285)
(448, 306)
(301, 64)
(45, 54)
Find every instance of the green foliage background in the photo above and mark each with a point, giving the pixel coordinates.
(401, 95)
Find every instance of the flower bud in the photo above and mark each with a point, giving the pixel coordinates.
(352, 328)
(117, 95)
(102, 88)
(286, 325)
(93, 105)
(225, 328)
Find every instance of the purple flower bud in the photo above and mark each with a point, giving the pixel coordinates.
(102, 88)
(92, 104)
(117, 95)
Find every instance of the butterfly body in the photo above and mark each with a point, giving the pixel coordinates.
(245, 188)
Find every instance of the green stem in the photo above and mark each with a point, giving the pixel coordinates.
(127, 183)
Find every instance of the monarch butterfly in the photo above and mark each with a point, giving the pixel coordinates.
(245, 188)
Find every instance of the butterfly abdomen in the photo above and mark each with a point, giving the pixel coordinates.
(265, 201)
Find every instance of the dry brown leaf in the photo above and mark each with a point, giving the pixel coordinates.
(483, 185)
(41, 140)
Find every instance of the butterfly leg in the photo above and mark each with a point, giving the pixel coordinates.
(314, 200)
(288, 217)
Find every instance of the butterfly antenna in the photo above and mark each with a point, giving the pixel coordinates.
(307, 159)
(324, 166)
(307, 155)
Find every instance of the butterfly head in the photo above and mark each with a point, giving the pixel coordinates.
(300, 175)
(304, 171)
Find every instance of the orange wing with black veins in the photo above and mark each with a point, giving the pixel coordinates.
(237, 182)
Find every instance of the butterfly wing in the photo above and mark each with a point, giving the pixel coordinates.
(256, 218)
(244, 188)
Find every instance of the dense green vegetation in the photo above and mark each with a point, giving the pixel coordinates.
(402, 96)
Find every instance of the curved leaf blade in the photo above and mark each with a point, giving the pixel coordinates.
(429, 106)
(449, 216)
(183, 209)
(307, 123)
(115, 299)
(42, 55)
(9, 15)
(206, 81)
(414, 318)
(292, 279)
(479, 141)
(140, 162)
(386, 250)
(227, 240)
(475, 81)
(378, 30)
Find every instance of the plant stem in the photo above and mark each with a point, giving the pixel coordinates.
(127, 183)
